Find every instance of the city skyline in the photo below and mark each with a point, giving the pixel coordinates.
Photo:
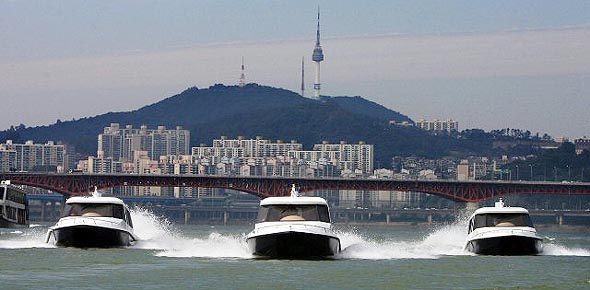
(487, 65)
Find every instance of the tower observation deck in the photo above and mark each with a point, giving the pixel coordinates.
(317, 57)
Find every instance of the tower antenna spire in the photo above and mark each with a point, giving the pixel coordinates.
(317, 39)
(303, 76)
(242, 76)
(317, 57)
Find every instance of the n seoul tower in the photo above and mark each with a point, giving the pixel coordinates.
(317, 57)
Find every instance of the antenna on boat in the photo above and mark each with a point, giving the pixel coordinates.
(294, 192)
(96, 193)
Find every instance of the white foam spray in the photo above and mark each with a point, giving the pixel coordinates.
(213, 246)
(445, 240)
(33, 237)
(157, 233)
(553, 249)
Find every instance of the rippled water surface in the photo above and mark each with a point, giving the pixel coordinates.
(216, 257)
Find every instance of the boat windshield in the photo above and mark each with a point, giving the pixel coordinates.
(502, 220)
(308, 212)
(94, 210)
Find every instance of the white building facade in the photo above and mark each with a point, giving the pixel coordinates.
(33, 157)
(120, 143)
(435, 125)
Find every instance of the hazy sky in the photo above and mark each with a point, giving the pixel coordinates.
(487, 64)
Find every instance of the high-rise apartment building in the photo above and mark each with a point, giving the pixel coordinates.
(354, 157)
(263, 157)
(7, 160)
(108, 165)
(240, 148)
(120, 143)
(33, 157)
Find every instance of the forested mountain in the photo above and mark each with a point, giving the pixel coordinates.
(255, 110)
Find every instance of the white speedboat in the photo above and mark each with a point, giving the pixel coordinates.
(93, 221)
(293, 227)
(502, 230)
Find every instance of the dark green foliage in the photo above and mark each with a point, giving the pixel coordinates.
(369, 109)
(272, 113)
(561, 164)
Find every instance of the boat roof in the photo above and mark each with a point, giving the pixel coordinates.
(487, 210)
(96, 197)
(293, 200)
(499, 208)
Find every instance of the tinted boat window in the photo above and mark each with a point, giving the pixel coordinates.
(118, 211)
(128, 216)
(94, 210)
(503, 220)
(274, 213)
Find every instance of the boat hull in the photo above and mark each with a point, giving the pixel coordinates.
(294, 244)
(4, 223)
(505, 245)
(85, 236)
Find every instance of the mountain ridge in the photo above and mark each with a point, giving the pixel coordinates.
(255, 110)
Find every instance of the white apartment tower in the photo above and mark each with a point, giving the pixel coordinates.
(31, 156)
(241, 148)
(350, 156)
(435, 125)
(121, 143)
(7, 160)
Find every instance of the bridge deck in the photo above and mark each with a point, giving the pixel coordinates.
(465, 191)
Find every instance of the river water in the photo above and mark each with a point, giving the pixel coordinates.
(173, 256)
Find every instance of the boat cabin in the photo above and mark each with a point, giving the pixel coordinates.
(506, 217)
(14, 207)
(97, 207)
(289, 209)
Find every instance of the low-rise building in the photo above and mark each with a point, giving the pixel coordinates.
(436, 125)
(582, 144)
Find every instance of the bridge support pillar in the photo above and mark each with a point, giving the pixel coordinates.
(559, 219)
(42, 211)
(387, 218)
(54, 211)
(51, 210)
(225, 217)
(429, 218)
(187, 216)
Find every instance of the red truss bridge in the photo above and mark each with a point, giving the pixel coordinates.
(464, 191)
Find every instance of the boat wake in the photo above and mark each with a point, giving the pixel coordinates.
(445, 240)
(213, 246)
(552, 249)
(34, 237)
(157, 233)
